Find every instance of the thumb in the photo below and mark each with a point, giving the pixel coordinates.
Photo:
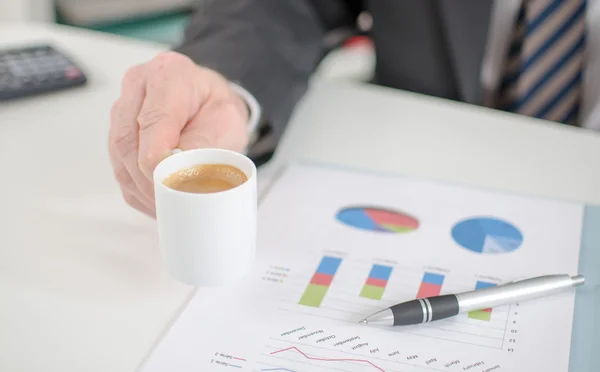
(164, 114)
(160, 128)
(218, 124)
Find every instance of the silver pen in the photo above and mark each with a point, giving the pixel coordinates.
(429, 309)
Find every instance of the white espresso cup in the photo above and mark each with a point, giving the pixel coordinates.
(206, 239)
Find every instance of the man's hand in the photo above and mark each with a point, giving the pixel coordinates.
(169, 103)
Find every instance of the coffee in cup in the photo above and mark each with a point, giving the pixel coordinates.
(206, 206)
(206, 178)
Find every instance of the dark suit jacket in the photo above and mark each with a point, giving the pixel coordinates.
(271, 47)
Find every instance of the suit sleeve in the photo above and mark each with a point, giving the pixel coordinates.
(269, 47)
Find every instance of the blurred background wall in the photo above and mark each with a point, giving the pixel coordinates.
(153, 20)
(163, 21)
(27, 10)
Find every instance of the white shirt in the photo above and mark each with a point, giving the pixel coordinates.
(254, 109)
(504, 13)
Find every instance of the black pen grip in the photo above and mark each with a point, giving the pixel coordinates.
(444, 306)
(407, 313)
(425, 310)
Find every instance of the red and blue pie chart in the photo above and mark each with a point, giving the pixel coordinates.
(377, 219)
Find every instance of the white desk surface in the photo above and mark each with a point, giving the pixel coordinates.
(81, 282)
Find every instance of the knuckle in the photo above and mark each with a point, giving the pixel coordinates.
(151, 116)
(132, 75)
(169, 62)
(170, 57)
(123, 141)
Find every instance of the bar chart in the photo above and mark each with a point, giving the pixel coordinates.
(376, 282)
(346, 289)
(319, 284)
(485, 314)
(431, 285)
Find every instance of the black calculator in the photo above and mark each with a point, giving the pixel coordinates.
(31, 70)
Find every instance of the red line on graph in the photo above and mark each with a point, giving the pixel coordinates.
(329, 359)
(242, 359)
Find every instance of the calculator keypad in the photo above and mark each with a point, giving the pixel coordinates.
(33, 70)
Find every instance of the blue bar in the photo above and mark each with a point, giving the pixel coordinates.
(481, 285)
(431, 278)
(380, 272)
(329, 265)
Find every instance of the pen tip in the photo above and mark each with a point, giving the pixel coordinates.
(364, 321)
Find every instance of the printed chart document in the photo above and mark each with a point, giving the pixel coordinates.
(335, 245)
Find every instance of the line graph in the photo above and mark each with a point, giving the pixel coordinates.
(344, 353)
(294, 348)
(328, 349)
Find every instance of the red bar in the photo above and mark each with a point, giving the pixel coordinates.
(428, 290)
(487, 310)
(321, 279)
(376, 282)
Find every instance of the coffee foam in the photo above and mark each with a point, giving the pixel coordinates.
(206, 178)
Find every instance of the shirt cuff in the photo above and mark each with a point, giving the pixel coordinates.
(254, 109)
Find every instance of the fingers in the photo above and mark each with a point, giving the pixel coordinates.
(165, 104)
(125, 137)
(170, 102)
(130, 190)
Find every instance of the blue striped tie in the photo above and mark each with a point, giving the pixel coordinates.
(543, 71)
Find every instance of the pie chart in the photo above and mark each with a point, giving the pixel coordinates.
(487, 235)
(377, 219)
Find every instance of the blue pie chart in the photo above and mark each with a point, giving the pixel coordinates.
(487, 235)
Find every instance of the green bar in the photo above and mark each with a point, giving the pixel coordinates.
(480, 315)
(313, 295)
(373, 292)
